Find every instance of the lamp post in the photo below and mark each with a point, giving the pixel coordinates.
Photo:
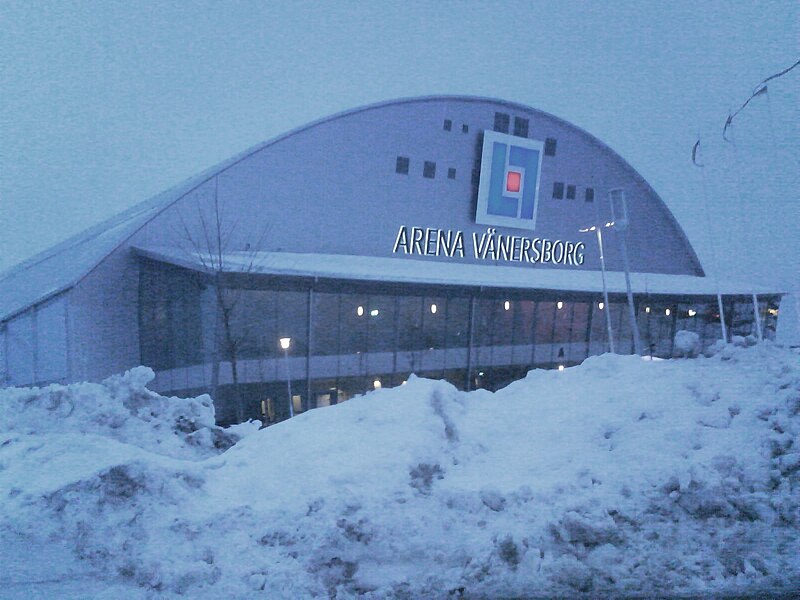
(285, 343)
(606, 306)
(619, 212)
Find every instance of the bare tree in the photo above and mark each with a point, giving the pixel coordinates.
(212, 244)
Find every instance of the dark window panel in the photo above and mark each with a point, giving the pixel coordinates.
(448, 124)
(409, 323)
(464, 128)
(589, 196)
(558, 190)
(570, 192)
(325, 326)
(550, 147)
(379, 314)
(429, 169)
(501, 121)
(520, 127)
(451, 173)
(457, 322)
(353, 319)
(402, 165)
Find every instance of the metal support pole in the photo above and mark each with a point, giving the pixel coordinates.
(722, 317)
(637, 342)
(288, 382)
(759, 332)
(606, 305)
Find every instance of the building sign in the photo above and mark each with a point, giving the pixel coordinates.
(508, 193)
(489, 245)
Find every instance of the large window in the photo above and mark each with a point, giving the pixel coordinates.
(170, 316)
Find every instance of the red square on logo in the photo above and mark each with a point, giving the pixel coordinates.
(512, 181)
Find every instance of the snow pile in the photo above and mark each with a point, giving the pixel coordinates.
(121, 408)
(620, 476)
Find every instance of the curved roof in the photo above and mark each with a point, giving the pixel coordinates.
(64, 265)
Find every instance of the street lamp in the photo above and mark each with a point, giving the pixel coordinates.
(598, 229)
(619, 214)
(285, 343)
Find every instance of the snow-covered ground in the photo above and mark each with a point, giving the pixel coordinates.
(617, 477)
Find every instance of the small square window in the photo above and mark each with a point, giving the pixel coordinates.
(464, 128)
(513, 180)
(429, 169)
(501, 121)
(570, 192)
(550, 147)
(451, 173)
(520, 127)
(402, 165)
(558, 190)
(476, 171)
(448, 124)
(589, 196)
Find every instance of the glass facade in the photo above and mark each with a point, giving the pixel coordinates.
(347, 338)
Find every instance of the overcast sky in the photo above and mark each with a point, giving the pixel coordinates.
(105, 104)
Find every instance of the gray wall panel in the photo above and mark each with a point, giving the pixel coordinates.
(103, 311)
(21, 344)
(51, 339)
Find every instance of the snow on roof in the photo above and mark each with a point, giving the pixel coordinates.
(401, 270)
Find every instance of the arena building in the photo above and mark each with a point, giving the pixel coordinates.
(450, 237)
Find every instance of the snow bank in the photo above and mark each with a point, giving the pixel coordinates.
(617, 477)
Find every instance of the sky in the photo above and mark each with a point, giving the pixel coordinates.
(105, 104)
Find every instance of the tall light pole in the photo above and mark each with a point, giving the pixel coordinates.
(606, 306)
(285, 343)
(619, 212)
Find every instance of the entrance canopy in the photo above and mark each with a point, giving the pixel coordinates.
(420, 271)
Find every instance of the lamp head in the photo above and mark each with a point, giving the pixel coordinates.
(285, 341)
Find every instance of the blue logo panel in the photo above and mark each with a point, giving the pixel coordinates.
(509, 183)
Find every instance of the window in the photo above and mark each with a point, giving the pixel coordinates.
(520, 127)
(570, 192)
(589, 196)
(402, 165)
(558, 190)
(448, 125)
(429, 169)
(501, 121)
(550, 147)
(451, 173)
(464, 128)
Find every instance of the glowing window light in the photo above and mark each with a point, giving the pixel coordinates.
(507, 305)
(360, 311)
(692, 312)
(601, 305)
(560, 305)
(667, 312)
(376, 384)
(647, 309)
(433, 308)
(513, 181)
(374, 312)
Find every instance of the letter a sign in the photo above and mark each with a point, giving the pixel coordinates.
(508, 194)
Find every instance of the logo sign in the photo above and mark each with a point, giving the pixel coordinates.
(508, 193)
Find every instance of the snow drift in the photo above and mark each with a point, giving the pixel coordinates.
(617, 477)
